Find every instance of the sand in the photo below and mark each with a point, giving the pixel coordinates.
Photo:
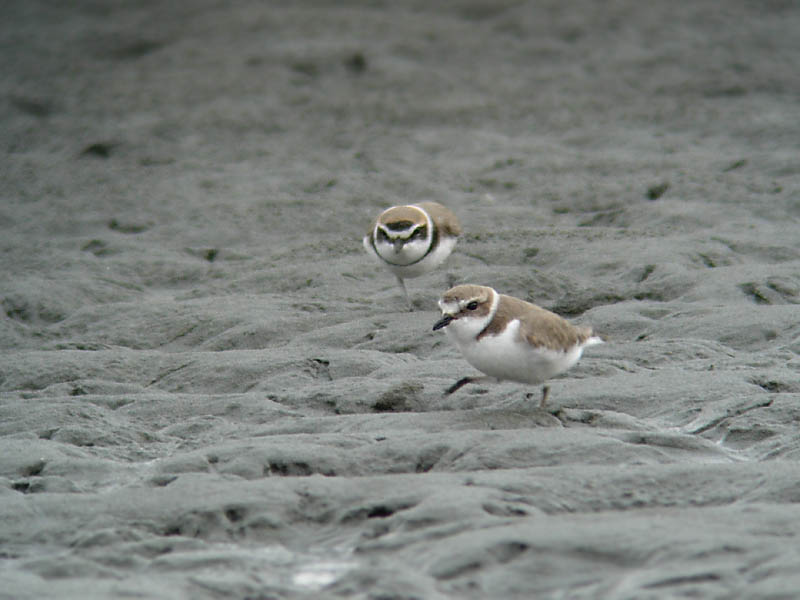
(208, 389)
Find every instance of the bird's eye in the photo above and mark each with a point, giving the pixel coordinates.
(419, 233)
(472, 305)
(382, 235)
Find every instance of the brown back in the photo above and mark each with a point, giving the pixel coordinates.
(442, 215)
(538, 326)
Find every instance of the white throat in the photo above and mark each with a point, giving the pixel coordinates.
(465, 329)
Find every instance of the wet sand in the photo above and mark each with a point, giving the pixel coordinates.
(208, 389)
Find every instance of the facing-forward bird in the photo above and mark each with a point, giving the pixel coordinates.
(413, 240)
(509, 339)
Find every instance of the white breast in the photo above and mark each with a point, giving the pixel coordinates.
(507, 357)
(412, 251)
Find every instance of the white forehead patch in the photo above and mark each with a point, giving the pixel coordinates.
(449, 308)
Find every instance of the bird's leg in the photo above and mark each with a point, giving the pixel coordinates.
(545, 393)
(464, 381)
(405, 293)
(458, 385)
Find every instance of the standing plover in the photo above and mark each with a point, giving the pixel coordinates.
(509, 339)
(413, 240)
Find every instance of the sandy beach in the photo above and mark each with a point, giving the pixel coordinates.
(209, 390)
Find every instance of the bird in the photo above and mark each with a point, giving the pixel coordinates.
(509, 339)
(413, 239)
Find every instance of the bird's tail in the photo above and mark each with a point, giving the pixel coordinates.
(593, 340)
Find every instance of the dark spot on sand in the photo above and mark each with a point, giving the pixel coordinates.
(33, 469)
(646, 272)
(398, 398)
(98, 149)
(380, 512)
(30, 106)
(530, 253)
(154, 161)
(16, 309)
(783, 286)
(571, 35)
(656, 296)
(319, 368)
(503, 510)
(423, 466)
(134, 49)
(751, 289)
(507, 551)
(655, 192)
(683, 580)
(116, 225)
(96, 247)
(772, 386)
(377, 511)
(305, 67)
(163, 480)
(459, 570)
(23, 487)
(429, 457)
(502, 164)
(290, 469)
(356, 63)
(235, 514)
(735, 165)
(733, 91)
(707, 261)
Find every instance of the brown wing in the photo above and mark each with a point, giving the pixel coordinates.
(540, 327)
(442, 215)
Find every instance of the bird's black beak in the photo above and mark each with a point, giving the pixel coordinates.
(443, 322)
(398, 244)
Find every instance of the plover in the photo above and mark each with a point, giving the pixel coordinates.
(509, 339)
(413, 240)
